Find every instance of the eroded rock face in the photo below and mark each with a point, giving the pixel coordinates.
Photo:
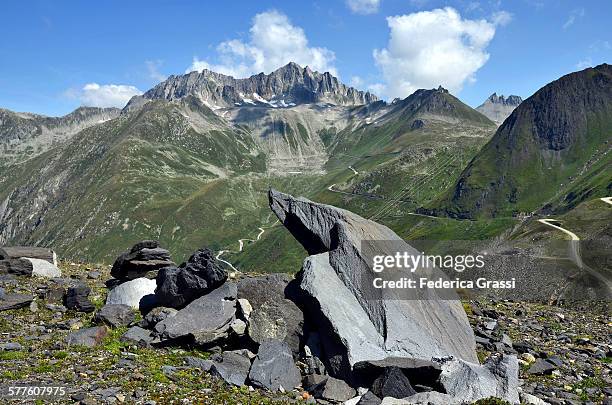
(177, 287)
(334, 280)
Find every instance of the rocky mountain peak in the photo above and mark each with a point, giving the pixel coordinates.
(498, 108)
(287, 86)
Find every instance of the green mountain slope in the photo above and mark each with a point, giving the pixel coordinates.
(550, 154)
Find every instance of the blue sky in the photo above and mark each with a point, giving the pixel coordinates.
(57, 55)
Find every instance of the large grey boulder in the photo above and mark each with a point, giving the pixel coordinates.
(138, 293)
(177, 287)
(333, 389)
(392, 383)
(205, 320)
(138, 336)
(16, 252)
(272, 314)
(360, 323)
(19, 267)
(14, 301)
(274, 367)
(143, 260)
(77, 298)
(469, 382)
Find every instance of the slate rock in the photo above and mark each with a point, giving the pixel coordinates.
(14, 301)
(143, 260)
(177, 287)
(10, 346)
(77, 298)
(392, 383)
(274, 367)
(138, 336)
(19, 267)
(138, 294)
(469, 382)
(272, 315)
(196, 362)
(88, 337)
(205, 320)
(336, 286)
(231, 367)
(115, 315)
(333, 389)
(541, 367)
(425, 398)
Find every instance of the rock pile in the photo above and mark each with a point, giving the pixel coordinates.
(142, 260)
(319, 331)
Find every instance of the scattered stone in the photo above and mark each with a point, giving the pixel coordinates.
(138, 336)
(18, 267)
(369, 399)
(231, 367)
(392, 383)
(332, 389)
(336, 282)
(274, 367)
(138, 294)
(205, 320)
(177, 287)
(94, 275)
(10, 346)
(541, 367)
(89, 337)
(115, 315)
(196, 362)
(143, 260)
(77, 298)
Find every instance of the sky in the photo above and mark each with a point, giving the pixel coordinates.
(56, 55)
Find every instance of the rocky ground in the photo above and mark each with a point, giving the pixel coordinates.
(565, 352)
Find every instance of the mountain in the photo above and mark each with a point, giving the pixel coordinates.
(188, 166)
(24, 135)
(287, 86)
(498, 108)
(550, 154)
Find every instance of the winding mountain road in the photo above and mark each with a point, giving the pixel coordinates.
(607, 200)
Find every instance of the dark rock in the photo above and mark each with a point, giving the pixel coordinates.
(205, 320)
(392, 383)
(417, 124)
(274, 367)
(541, 367)
(89, 337)
(417, 371)
(273, 316)
(231, 367)
(522, 347)
(143, 260)
(369, 399)
(332, 389)
(115, 315)
(94, 275)
(177, 287)
(358, 322)
(77, 298)
(312, 380)
(138, 336)
(19, 267)
(16, 252)
(14, 301)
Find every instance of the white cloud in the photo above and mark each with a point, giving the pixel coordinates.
(574, 15)
(363, 6)
(501, 18)
(585, 63)
(106, 95)
(153, 70)
(432, 48)
(273, 42)
(356, 82)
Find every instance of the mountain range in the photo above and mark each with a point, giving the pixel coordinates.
(498, 108)
(190, 160)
